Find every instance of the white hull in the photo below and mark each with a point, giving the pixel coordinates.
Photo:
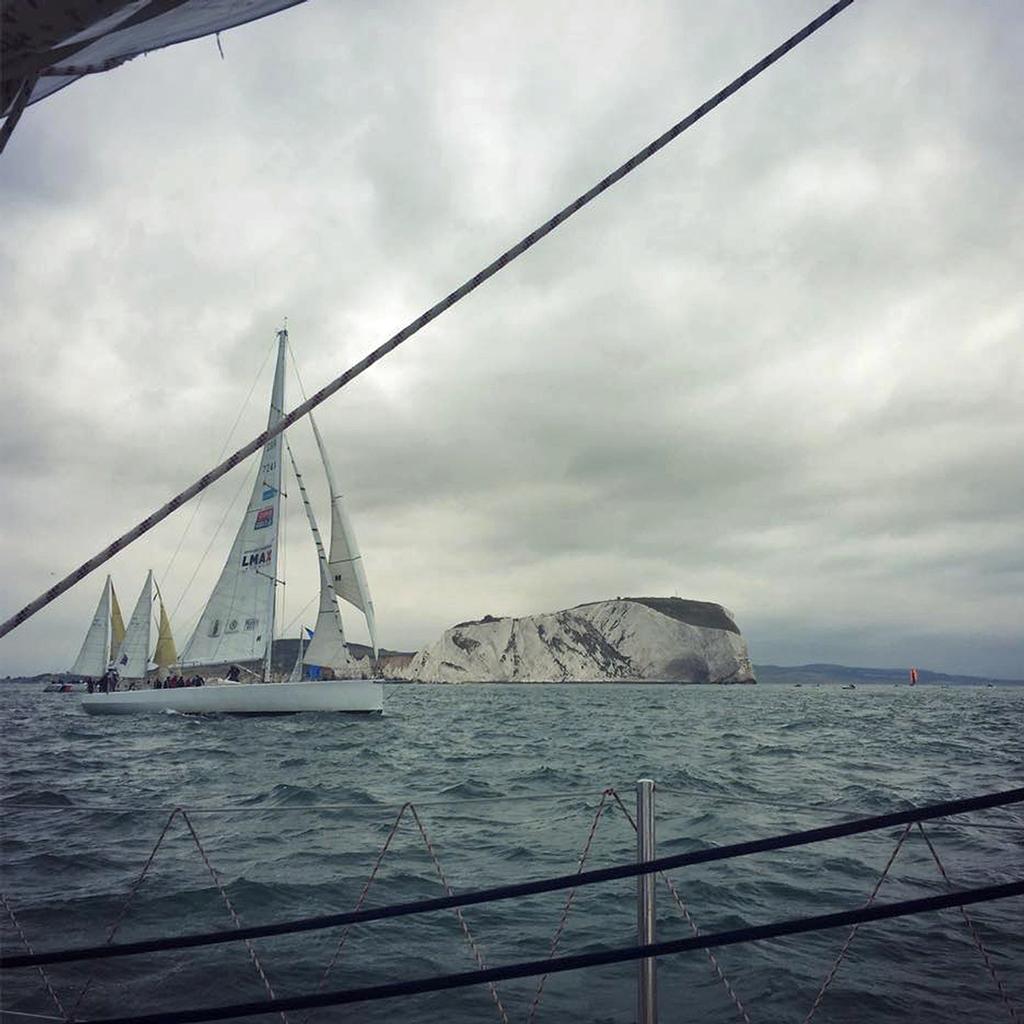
(223, 697)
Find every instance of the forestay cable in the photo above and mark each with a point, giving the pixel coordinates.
(420, 322)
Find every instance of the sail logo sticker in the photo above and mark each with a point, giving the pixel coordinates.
(254, 559)
(264, 517)
(268, 492)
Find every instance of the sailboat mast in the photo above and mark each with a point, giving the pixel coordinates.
(276, 412)
(237, 624)
(112, 625)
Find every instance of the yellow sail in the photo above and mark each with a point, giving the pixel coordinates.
(116, 624)
(165, 655)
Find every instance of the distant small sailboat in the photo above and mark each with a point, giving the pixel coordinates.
(132, 660)
(913, 677)
(102, 640)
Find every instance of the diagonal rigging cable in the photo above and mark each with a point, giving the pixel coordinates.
(420, 322)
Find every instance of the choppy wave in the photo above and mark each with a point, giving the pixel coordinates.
(291, 814)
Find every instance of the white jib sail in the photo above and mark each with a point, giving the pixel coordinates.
(327, 648)
(296, 676)
(345, 563)
(132, 658)
(92, 658)
(238, 621)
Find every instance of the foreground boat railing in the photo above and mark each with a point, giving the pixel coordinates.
(645, 952)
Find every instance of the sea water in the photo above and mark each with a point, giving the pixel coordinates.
(291, 814)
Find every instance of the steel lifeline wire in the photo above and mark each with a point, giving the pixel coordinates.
(129, 899)
(567, 908)
(685, 911)
(815, 809)
(371, 878)
(42, 971)
(420, 322)
(367, 885)
(783, 841)
(477, 956)
(1015, 1014)
(30, 1016)
(13, 806)
(137, 884)
(830, 977)
(249, 808)
(550, 965)
(531, 968)
(231, 910)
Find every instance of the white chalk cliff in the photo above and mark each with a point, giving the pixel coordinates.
(630, 639)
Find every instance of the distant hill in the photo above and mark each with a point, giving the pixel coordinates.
(845, 674)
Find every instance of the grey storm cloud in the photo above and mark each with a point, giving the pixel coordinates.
(778, 367)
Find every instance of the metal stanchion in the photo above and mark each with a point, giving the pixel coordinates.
(647, 976)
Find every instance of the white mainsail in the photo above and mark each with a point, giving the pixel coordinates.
(327, 648)
(93, 658)
(238, 621)
(345, 563)
(132, 658)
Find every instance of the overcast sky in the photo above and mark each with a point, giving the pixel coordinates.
(780, 367)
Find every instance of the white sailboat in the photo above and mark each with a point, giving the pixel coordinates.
(131, 659)
(237, 624)
(102, 640)
(136, 654)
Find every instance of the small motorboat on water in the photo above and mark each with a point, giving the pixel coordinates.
(64, 686)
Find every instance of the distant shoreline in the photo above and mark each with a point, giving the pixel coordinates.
(767, 675)
(560, 682)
